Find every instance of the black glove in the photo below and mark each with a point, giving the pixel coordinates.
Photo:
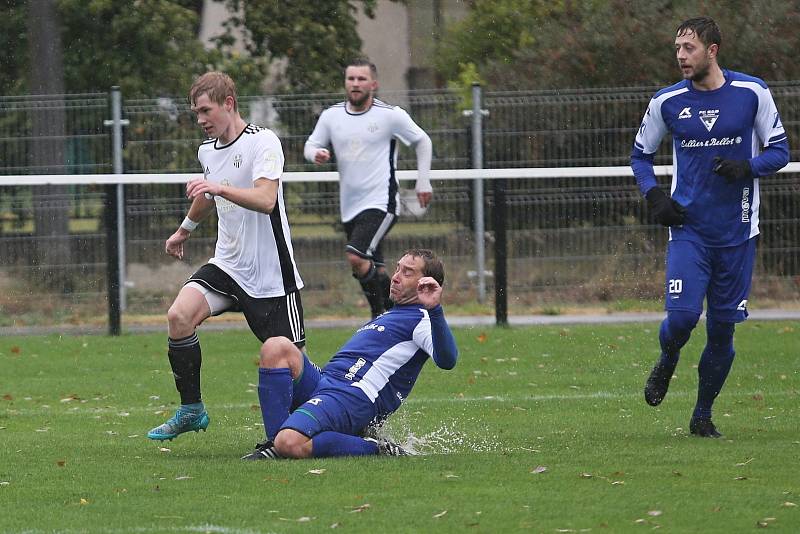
(733, 170)
(666, 210)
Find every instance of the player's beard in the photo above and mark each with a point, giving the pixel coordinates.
(700, 72)
(359, 102)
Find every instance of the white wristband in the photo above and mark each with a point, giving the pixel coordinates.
(188, 224)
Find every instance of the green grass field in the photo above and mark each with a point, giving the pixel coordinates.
(540, 429)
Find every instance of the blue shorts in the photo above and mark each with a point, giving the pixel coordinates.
(320, 403)
(721, 275)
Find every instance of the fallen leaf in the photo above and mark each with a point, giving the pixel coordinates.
(451, 476)
(4, 483)
(762, 524)
(677, 473)
(15, 350)
(618, 483)
(255, 407)
(164, 449)
(84, 501)
(539, 469)
(440, 514)
(316, 471)
(8, 397)
(745, 462)
(361, 508)
(61, 463)
(740, 478)
(788, 504)
(482, 338)
(585, 475)
(335, 525)
(184, 477)
(654, 513)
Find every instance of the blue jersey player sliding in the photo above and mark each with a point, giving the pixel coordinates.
(309, 412)
(726, 134)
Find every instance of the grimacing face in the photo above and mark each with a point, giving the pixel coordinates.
(694, 59)
(403, 289)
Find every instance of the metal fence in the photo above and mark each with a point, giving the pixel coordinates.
(573, 242)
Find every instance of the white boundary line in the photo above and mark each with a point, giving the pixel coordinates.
(57, 408)
(332, 176)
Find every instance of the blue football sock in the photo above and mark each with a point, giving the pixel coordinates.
(275, 398)
(329, 443)
(674, 333)
(715, 364)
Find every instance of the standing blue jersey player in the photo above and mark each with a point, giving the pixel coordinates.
(309, 412)
(726, 134)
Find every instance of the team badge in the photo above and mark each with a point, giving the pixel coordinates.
(372, 127)
(709, 117)
(237, 160)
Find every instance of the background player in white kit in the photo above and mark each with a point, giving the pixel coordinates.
(363, 132)
(726, 134)
(253, 268)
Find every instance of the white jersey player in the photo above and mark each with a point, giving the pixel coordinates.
(364, 132)
(253, 268)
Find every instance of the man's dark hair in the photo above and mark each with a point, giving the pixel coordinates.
(704, 28)
(432, 267)
(363, 62)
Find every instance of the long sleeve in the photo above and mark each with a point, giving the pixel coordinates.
(445, 352)
(424, 150)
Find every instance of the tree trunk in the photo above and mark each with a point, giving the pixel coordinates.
(48, 127)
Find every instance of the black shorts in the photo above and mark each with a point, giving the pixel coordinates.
(267, 317)
(365, 232)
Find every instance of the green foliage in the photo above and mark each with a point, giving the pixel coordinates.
(316, 39)
(599, 43)
(147, 47)
(539, 429)
(13, 38)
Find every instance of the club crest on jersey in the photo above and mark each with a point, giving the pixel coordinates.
(709, 117)
(372, 127)
(237, 160)
(686, 113)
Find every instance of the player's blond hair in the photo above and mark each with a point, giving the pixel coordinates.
(217, 85)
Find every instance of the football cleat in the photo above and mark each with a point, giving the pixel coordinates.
(655, 389)
(389, 448)
(263, 451)
(182, 421)
(703, 427)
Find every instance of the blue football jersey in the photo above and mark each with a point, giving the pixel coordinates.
(385, 356)
(738, 121)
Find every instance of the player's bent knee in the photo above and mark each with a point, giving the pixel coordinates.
(292, 444)
(278, 352)
(682, 320)
(179, 318)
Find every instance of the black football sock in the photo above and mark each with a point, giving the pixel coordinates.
(370, 286)
(185, 359)
(385, 283)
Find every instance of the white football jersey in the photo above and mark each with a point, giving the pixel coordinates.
(254, 248)
(365, 145)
